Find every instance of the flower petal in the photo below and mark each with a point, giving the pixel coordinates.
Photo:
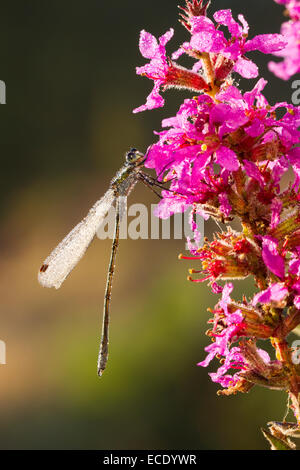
(275, 293)
(266, 43)
(272, 259)
(148, 45)
(227, 158)
(246, 68)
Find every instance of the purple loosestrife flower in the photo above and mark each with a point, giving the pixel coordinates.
(163, 71)
(290, 30)
(232, 323)
(238, 130)
(227, 327)
(224, 154)
(206, 37)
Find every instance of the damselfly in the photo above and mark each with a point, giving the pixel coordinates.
(70, 250)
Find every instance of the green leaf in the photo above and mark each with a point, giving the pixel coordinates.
(276, 443)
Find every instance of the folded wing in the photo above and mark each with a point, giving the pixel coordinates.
(66, 255)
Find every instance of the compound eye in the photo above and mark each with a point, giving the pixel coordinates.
(134, 157)
(131, 155)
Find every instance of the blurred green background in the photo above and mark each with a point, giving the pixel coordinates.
(69, 67)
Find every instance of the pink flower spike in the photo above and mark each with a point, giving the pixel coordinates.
(233, 156)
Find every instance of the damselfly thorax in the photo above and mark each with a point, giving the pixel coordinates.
(128, 175)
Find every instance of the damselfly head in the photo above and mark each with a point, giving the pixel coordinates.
(134, 157)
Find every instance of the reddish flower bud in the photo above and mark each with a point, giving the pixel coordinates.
(193, 8)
